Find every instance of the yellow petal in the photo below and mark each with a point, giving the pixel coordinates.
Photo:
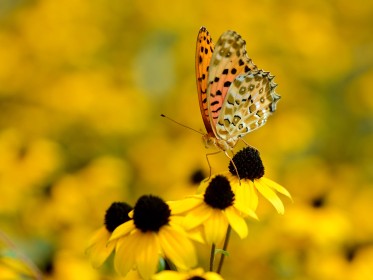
(250, 194)
(125, 253)
(275, 186)
(130, 214)
(180, 206)
(98, 249)
(122, 230)
(196, 234)
(237, 223)
(246, 199)
(177, 247)
(147, 255)
(203, 186)
(215, 227)
(270, 195)
(197, 216)
(212, 276)
(169, 275)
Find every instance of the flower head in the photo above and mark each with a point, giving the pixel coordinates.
(98, 249)
(251, 180)
(197, 274)
(151, 234)
(212, 211)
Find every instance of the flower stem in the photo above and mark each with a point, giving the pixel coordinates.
(23, 258)
(226, 241)
(212, 257)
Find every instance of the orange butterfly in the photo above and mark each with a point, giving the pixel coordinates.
(235, 97)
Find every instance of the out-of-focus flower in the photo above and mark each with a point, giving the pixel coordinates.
(12, 268)
(197, 274)
(14, 264)
(150, 234)
(99, 249)
(213, 211)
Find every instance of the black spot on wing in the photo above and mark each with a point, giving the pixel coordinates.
(217, 110)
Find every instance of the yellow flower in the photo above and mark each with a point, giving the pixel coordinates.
(151, 234)
(213, 211)
(98, 248)
(197, 273)
(251, 181)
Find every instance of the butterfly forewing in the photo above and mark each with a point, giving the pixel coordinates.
(204, 50)
(250, 100)
(229, 60)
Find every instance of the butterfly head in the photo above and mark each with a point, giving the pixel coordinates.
(222, 144)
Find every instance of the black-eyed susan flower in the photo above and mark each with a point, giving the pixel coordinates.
(213, 211)
(150, 235)
(98, 247)
(195, 274)
(251, 181)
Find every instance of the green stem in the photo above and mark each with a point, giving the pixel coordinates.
(212, 257)
(226, 241)
(34, 270)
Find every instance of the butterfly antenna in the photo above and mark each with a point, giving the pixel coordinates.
(164, 116)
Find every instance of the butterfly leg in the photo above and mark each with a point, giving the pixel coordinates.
(234, 165)
(208, 162)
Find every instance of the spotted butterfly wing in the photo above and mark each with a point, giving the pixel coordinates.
(229, 60)
(204, 50)
(235, 97)
(250, 100)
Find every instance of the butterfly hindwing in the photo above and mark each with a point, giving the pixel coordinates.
(204, 50)
(250, 100)
(229, 60)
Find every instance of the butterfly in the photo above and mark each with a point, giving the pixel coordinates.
(235, 97)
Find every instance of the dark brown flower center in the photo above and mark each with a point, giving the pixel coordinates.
(151, 213)
(249, 164)
(219, 193)
(116, 215)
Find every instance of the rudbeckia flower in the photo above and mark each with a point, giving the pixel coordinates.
(99, 249)
(213, 211)
(150, 235)
(252, 181)
(197, 274)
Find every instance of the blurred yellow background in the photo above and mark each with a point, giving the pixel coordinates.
(82, 85)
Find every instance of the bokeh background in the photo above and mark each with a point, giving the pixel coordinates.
(82, 85)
